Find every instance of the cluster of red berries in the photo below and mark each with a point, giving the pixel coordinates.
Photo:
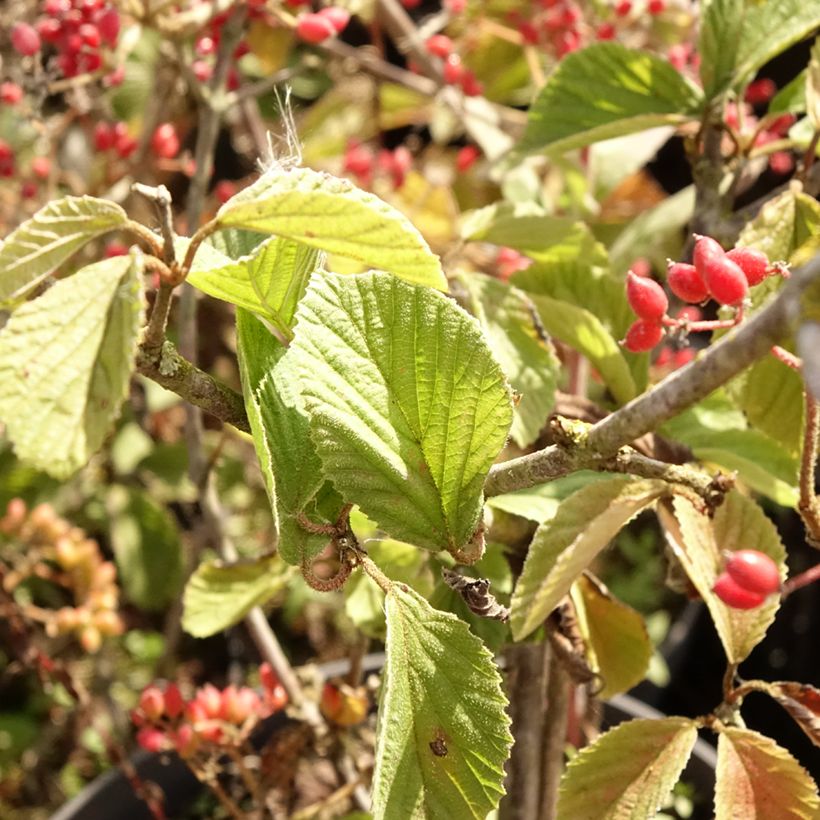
(749, 577)
(79, 30)
(57, 551)
(559, 26)
(322, 25)
(714, 273)
(222, 717)
(453, 70)
(114, 136)
(165, 141)
(741, 119)
(364, 163)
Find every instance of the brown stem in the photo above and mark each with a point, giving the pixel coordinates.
(809, 504)
(555, 732)
(155, 331)
(146, 235)
(805, 578)
(526, 672)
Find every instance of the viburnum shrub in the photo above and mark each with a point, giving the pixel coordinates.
(321, 372)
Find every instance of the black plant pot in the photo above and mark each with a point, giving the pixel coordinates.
(111, 797)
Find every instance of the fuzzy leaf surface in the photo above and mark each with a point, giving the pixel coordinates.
(281, 434)
(335, 216)
(41, 244)
(564, 546)
(443, 733)
(627, 773)
(218, 595)
(524, 352)
(408, 409)
(65, 363)
(603, 91)
(721, 21)
(618, 645)
(698, 541)
(759, 780)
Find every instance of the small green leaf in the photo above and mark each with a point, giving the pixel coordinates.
(146, 546)
(407, 407)
(604, 91)
(218, 595)
(791, 99)
(618, 645)
(584, 332)
(564, 546)
(758, 780)
(720, 24)
(41, 244)
(335, 216)
(443, 733)
(627, 773)
(698, 542)
(268, 281)
(524, 352)
(65, 364)
(769, 28)
(281, 434)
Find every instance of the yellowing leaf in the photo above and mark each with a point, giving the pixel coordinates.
(628, 772)
(698, 541)
(565, 545)
(757, 780)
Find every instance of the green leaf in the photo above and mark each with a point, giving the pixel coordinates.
(443, 733)
(524, 352)
(716, 431)
(604, 91)
(281, 435)
(698, 543)
(758, 780)
(720, 25)
(584, 332)
(364, 600)
(407, 407)
(65, 364)
(218, 595)
(146, 546)
(769, 28)
(627, 773)
(268, 281)
(617, 643)
(541, 502)
(41, 244)
(791, 99)
(334, 215)
(564, 546)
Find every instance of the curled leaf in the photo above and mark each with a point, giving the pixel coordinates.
(477, 596)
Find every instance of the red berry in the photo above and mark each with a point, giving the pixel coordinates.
(734, 595)
(455, 6)
(205, 46)
(313, 28)
(164, 141)
(726, 281)
(339, 18)
(202, 70)
(10, 93)
(24, 39)
(754, 571)
(781, 162)
(470, 84)
(103, 136)
(453, 69)
(690, 314)
(754, 264)
(153, 740)
(655, 6)
(174, 702)
(224, 190)
(646, 297)
(643, 335)
(623, 8)
(108, 24)
(606, 31)
(686, 283)
(41, 167)
(466, 157)
(115, 248)
(439, 45)
(760, 91)
(706, 249)
(152, 703)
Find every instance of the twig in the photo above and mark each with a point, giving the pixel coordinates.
(678, 391)
(167, 367)
(809, 505)
(805, 578)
